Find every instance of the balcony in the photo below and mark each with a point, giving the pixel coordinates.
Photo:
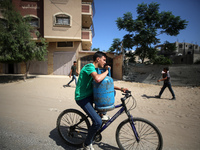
(87, 15)
(86, 36)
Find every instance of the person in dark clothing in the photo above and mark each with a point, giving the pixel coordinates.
(167, 83)
(73, 73)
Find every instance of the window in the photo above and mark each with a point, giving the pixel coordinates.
(33, 20)
(62, 20)
(65, 44)
(190, 46)
(3, 22)
(180, 46)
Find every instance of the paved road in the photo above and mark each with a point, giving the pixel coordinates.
(29, 110)
(28, 113)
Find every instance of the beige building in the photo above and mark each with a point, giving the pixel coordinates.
(67, 25)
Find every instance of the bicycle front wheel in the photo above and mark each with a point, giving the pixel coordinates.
(149, 136)
(73, 126)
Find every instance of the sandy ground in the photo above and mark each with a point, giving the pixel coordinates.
(29, 110)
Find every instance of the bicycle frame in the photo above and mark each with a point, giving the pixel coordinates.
(73, 126)
(123, 108)
(113, 118)
(117, 115)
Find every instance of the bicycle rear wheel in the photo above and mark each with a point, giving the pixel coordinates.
(149, 136)
(73, 126)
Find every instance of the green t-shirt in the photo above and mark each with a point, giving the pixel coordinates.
(84, 87)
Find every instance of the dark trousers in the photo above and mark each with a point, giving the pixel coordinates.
(168, 84)
(87, 105)
(73, 78)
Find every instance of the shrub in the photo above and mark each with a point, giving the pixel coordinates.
(161, 60)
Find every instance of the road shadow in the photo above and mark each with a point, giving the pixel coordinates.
(13, 78)
(71, 86)
(59, 141)
(146, 96)
(54, 135)
(106, 146)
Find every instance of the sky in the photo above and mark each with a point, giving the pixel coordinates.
(107, 12)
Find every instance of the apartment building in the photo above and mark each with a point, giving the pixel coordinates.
(185, 53)
(67, 25)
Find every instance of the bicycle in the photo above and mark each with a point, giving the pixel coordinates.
(132, 133)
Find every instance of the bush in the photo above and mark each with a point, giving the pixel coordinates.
(161, 60)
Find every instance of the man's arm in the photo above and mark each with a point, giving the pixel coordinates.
(162, 79)
(77, 72)
(99, 77)
(70, 73)
(121, 89)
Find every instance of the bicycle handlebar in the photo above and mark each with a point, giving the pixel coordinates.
(127, 91)
(127, 95)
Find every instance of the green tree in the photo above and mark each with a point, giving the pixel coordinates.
(96, 49)
(116, 46)
(16, 43)
(162, 60)
(143, 31)
(163, 56)
(169, 48)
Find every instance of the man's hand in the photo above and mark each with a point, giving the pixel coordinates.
(70, 75)
(158, 80)
(124, 90)
(107, 66)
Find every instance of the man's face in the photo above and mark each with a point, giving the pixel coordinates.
(75, 64)
(101, 61)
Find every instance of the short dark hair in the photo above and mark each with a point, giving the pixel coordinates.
(98, 54)
(166, 68)
(74, 62)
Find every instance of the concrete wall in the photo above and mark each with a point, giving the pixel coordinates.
(73, 9)
(181, 75)
(196, 57)
(117, 67)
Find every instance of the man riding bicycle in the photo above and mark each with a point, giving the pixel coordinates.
(84, 93)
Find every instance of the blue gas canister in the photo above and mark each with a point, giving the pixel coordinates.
(103, 92)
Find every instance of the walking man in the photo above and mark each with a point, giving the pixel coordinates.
(73, 73)
(167, 83)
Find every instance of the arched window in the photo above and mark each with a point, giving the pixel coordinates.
(62, 19)
(33, 20)
(3, 22)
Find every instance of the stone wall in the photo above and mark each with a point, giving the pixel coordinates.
(181, 75)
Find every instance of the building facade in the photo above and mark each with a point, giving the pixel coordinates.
(185, 53)
(67, 26)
